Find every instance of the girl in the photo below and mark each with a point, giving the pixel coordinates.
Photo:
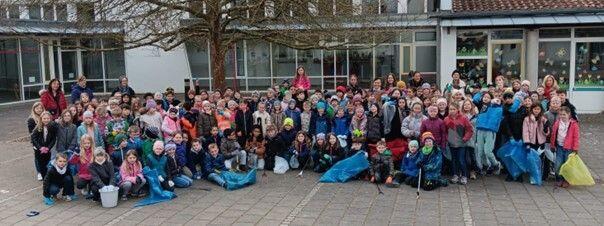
(535, 132)
(255, 149)
(375, 128)
(300, 149)
(469, 110)
(136, 106)
(390, 83)
(131, 176)
(262, 117)
(223, 115)
(102, 173)
(206, 120)
(456, 83)
(359, 120)
(459, 132)
(171, 124)
(75, 115)
(500, 83)
(174, 171)
(43, 138)
(564, 140)
(34, 116)
(66, 134)
(301, 80)
(436, 126)
(86, 157)
(57, 178)
(305, 117)
(333, 149)
(158, 161)
(277, 115)
(91, 128)
(318, 149)
(152, 121)
(487, 125)
(441, 103)
(53, 99)
(411, 125)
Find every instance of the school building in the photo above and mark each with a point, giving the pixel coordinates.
(524, 39)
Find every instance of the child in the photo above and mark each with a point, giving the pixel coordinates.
(188, 120)
(174, 171)
(214, 164)
(305, 117)
(243, 122)
(288, 133)
(101, 118)
(43, 138)
(436, 126)
(89, 127)
(274, 146)
(232, 151)
(375, 127)
(318, 149)
(319, 122)
(102, 173)
(341, 125)
(487, 125)
(535, 132)
(564, 140)
(214, 138)
(171, 124)
(294, 113)
(409, 169)
(152, 120)
(261, 117)
(441, 104)
(356, 146)
(223, 115)
(566, 103)
(158, 161)
(86, 157)
(382, 167)
(459, 132)
(206, 120)
(131, 176)
(119, 152)
(277, 115)
(134, 140)
(117, 125)
(410, 127)
(58, 177)
(195, 157)
(359, 120)
(429, 162)
(300, 149)
(255, 149)
(66, 133)
(332, 153)
(181, 152)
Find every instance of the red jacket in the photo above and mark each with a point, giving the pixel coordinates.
(572, 136)
(459, 130)
(54, 107)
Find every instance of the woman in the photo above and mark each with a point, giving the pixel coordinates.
(301, 80)
(550, 86)
(79, 88)
(416, 80)
(123, 88)
(53, 99)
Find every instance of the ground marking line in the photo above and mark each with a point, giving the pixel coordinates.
(22, 193)
(465, 205)
(292, 215)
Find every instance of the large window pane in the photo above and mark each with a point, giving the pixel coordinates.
(425, 36)
(415, 6)
(284, 61)
(473, 71)
(389, 6)
(70, 65)
(96, 86)
(13, 12)
(34, 12)
(32, 92)
(507, 34)
(311, 61)
(30, 59)
(361, 65)
(328, 62)
(341, 62)
(406, 59)
(554, 33)
(589, 32)
(61, 10)
(197, 53)
(590, 68)
(49, 12)
(471, 43)
(387, 60)
(425, 58)
(234, 61)
(85, 11)
(10, 87)
(507, 61)
(236, 84)
(115, 63)
(92, 64)
(258, 63)
(554, 59)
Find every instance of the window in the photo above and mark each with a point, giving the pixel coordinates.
(415, 6)
(425, 58)
(507, 34)
(311, 61)
(115, 64)
(590, 68)
(234, 61)
(14, 12)
(387, 60)
(507, 61)
(389, 6)
(589, 32)
(9, 71)
(34, 12)
(61, 10)
(198, 54)
(49, 12)
(554, 33)
(69, 64)
(30, 59)
(472, 44)
(3, 13)
(473, 70)
(425, 36)
(258, 62)
(370, 7)
(85, 12)
(284, 61)
(361, 64)
(554, 59)
(92, 64)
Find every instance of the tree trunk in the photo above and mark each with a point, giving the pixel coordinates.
(217, 58)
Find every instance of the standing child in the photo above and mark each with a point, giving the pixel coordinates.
(436, 126)
(131, 176)
(534, 133)
(411, 125)
(488, 119)
(262, 117)
(86, 157)
(171, 124)
(274, 146)
(58, 177)
(243, 122)
(359, 120)
(206, 120)
(305, 117)
(564, 140)
(214, 165)
(174, 171)
(459, 132)
(382, 167)
(43, 138)
(294, 113)
(102, 173)
(319, 122)
(277, 115)
(375, 127)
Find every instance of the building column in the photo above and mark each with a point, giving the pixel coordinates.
(447, 51)
(532, 57)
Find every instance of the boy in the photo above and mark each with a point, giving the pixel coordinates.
(566, 103)
(233, 154)
(206, 120)
(243, 122)
(213, 138)
(134, 141)
(295, 114)
(382, 167)
(214, 164)
(288, 134)
(195, 157)
(274, 146)
(115, 126)
(409, 169)
(319, 122)
(356, 146)
(564, 140)
(430, 163)
(118, 156)
(58, 177)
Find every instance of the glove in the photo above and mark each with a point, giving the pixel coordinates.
(389, 180)
(171, 183)
(48, 201)
(161, 179)
(372, 179)
(43, 150)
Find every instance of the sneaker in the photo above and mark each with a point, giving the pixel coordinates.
(39, 177)
(497, 170)
(84, 192)
(124, 198)
(67, 198)
(197, 177)
(464, 180)
(71, 198)
(473, 175)
(455, 179)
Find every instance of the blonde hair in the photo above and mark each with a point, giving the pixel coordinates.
(39, 124)
(33, 114)
(554, 84)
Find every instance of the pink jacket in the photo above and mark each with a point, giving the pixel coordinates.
(302, 82)
(170, 126)
(129, 172)
(532, 130)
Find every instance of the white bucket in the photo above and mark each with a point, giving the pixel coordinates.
(109, 195)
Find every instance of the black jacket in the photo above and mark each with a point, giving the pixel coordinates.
(244, 122)
(37, 137)
(172, 168)
(54, 177)
(102, 175)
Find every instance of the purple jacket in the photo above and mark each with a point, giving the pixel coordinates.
(438, 129)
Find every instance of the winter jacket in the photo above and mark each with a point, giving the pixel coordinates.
(187, 123)
(123, 90)
(158, 162)
(86, 159)
(412, 124)
(77, 90)
(302, 82)
(31, 124)
(229, 148)
(431, 163)
(273, 147)
(54, 177)
(212, 164)
(135, 144)
(277, 119)
(66, 137)
(243, 122)
(256, 146)
(130, 171)
(54, 104)
(102, 175)
(515, 122)
(533, 130)
(379, 160)
(98, 139)
(211, 140)
(409, 166)
(341, 126)
(304, 150)
(38, 140)
(169, 127)
(359, 123)
(118, 156)
(205, 122)
(263, 119)
(181, 154)
(223, 119)
(572, 135)
(172, 168)
(305, 121)
(459, 130)
(294, 114)
(375, 128)
(388, 111)
(438, 129)
(319, 124)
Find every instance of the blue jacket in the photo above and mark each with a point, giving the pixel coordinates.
(409, 166)
(158, 163)
(341, 126)
(319, 123)
(77, 90)
(135, 144)
(288, 136)
(295, 115)
(489, 117)
(98, 139)
(432, 164)
(181, 154)
(213, 163)
(117, 157)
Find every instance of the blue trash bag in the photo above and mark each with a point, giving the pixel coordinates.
(346, 169)
(156, 193)
(513, 156)
(534, 167)
(236, 181)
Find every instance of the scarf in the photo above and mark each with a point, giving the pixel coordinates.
(101, 162)
(427, 150)
(59, 170)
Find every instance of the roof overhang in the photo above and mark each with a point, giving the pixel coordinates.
(543, 20)
(58, 27)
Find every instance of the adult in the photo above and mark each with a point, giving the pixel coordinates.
(123, 88)
(416, 80)
(53, 99)
(301, 80)
(550, 86)
(79, 88)
(456, 83)
(353, 85)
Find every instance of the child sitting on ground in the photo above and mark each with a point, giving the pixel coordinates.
(409, 169)
(214, 164)
(255, 148)
(174, 171)
(101, 170)
(430, 164)
(382, 167)
(57, 178)
(233, 154)
(300, 149)
(195, 157)
(158, 161)
(317, 151)
(131, 176)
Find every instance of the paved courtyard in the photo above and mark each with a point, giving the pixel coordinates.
(288, 200)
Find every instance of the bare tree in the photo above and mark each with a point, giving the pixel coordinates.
(166, 24)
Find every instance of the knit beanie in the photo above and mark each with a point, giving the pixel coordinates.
(118, 139)
(413, 143)
(427, 135)
(321, 136)
(321, 105)
(288, 122)
(88, 114)
(150, 104)
(170, 146)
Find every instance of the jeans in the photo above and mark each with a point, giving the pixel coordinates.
(240, 158)
(485, 142)
(131, 188)
(458, 156)
(214, 177)
(41, 161)
(561, 157)
(182, 181)
(66, 185)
